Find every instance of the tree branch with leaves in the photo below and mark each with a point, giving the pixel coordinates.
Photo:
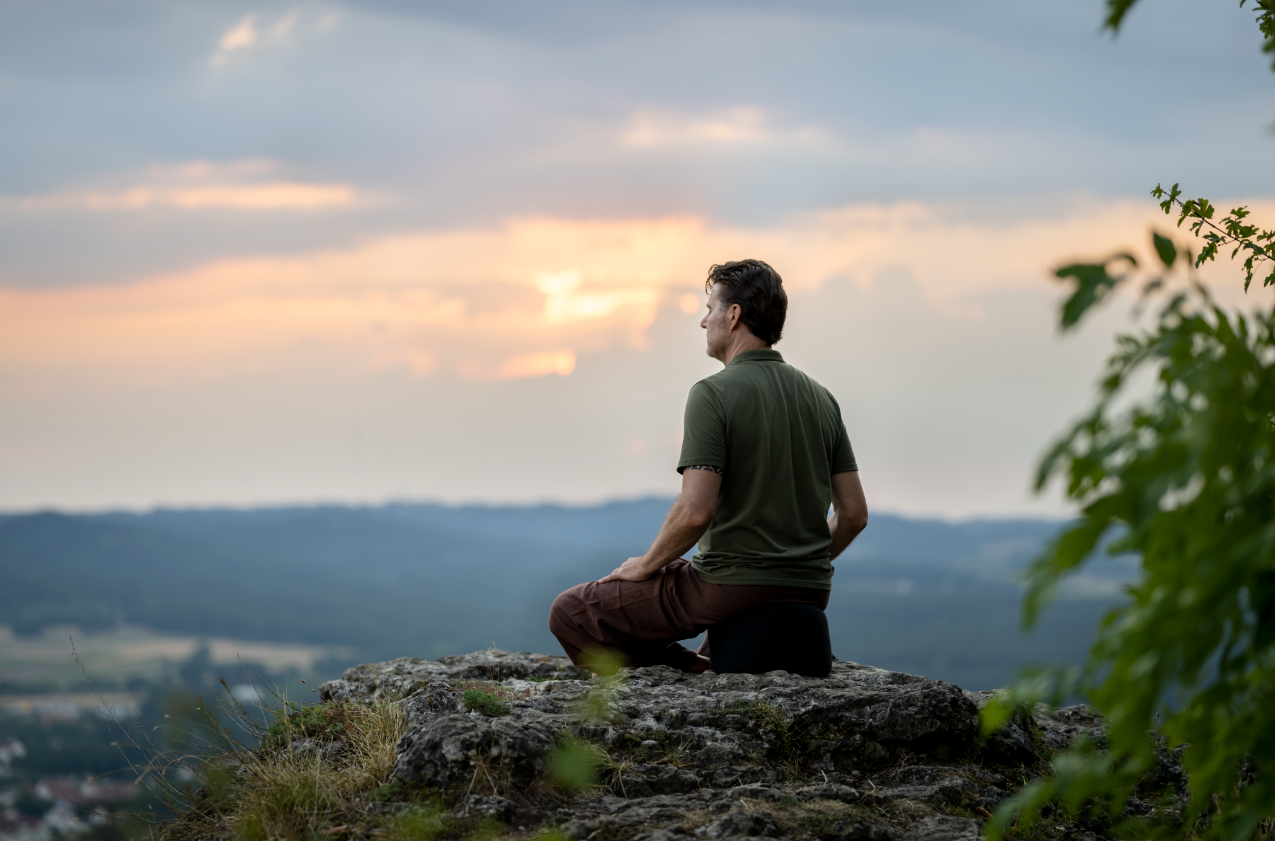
(1257, 244)
(1185, 480)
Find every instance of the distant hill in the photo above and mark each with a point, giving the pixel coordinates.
(923, 596)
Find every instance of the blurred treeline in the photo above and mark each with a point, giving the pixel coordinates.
(923, 596)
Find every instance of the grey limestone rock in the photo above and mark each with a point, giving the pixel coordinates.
(488, 806)
(314, 748)
(1060, 727)
(432, 701)
(858, 829)
(397, 679)
(945, 828)
(648, 780)
(461, 749)
(607, 815)
(1013, 743)
(861, 755)
(843, 794)
(740, 822)
(949, 792)
(674, 834)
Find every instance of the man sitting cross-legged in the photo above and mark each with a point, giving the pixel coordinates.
(764, 454)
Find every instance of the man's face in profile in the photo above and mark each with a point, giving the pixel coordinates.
(714, 322)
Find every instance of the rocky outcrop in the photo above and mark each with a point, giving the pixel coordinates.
(406, 676)
(862, 754)
(458, 749)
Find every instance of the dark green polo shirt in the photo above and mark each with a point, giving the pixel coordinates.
(779, 437)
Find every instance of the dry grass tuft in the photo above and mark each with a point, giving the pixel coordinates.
(379, 729)
(299, 783)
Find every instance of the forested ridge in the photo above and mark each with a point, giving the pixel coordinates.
(924, 596)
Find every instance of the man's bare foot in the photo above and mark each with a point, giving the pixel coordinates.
(702, 664)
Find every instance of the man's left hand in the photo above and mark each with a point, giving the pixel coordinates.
(634, 569)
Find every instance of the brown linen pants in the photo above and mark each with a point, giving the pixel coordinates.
(642, 621)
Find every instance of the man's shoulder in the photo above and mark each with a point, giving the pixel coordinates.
(743, 377)
(815, 386)
(730, 379)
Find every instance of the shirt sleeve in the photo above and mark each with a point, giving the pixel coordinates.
(703, 429)
(842, 454)
(842, 460)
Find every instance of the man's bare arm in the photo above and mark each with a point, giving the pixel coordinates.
(685, 524)
(849, 511)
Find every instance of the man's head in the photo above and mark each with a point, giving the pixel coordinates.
(748, 294)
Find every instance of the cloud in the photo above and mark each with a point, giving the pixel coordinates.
(561, 362)
(284, 26)
(199, 185)
(239, 37)
(245, 34)
(277, 195)
(564, 303)
(741, 125)
(526, 299)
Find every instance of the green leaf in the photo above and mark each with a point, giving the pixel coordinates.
(574, 763)
(1092, 283)
(1116, 11)
(1165, 249)
(995, 714)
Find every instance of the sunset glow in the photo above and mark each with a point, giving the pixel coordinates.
(500, 303)
(360, 252)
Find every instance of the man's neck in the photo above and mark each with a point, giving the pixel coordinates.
(745, 342)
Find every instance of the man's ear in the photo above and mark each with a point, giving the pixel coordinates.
(735, 315)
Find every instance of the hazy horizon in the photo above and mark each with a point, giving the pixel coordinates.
(285, 505)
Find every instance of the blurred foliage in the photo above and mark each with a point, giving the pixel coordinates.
(1185, 479)
(574, 764)
(603, 661)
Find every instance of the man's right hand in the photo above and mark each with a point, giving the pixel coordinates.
(634, 569)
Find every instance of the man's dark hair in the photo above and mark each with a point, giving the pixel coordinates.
(759, 291)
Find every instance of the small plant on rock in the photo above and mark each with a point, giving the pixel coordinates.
(485, 702)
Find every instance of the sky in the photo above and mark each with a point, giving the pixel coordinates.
(260, 254)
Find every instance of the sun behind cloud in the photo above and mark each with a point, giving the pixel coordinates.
(561, 362)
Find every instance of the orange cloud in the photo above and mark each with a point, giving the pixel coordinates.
(197, 185)
(561, 362)
(278, 195)
(523, 300)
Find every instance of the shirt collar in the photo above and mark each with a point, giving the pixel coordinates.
(760, 355)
